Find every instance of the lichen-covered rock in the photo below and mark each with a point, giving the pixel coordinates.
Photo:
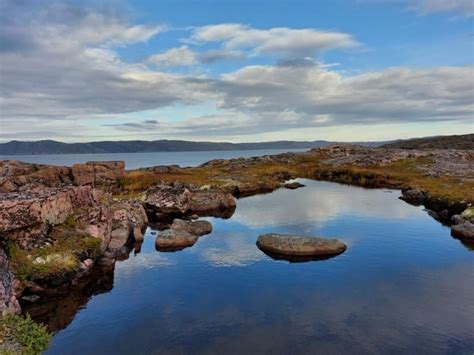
(8, 302)
(46, 205)
(171, 239)
(193, 227)
(296, 245)
(181, 199)
(97, 173)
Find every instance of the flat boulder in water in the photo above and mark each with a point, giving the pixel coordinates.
(171, 239)
(295, 245)
(293, 185)
(192, 227)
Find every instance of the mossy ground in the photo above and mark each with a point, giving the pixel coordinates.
(21, 335)
(62, 257)
(405, 173)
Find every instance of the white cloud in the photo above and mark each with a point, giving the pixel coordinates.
(284, 41)
(182, 56)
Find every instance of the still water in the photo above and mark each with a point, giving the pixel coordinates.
(404, 285)
(142, 160)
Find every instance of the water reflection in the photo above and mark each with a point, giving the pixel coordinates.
(403, 285)
(58, 310)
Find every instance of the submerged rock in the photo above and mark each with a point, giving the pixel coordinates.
(294, 185)
(299, 245)
(193, 227)
(171, 239)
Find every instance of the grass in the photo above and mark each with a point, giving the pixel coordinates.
(403, 173)
(21, 335)
(62, 257)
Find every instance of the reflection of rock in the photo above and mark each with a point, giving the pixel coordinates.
(58, 310)
(192, 227)
(299, 245)
(293, 185)
(298, 259)
(171, 240)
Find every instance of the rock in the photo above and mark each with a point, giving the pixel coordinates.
(180, 199)
(294, 185)
(468, 214)
(171, 239)
(464, 230)
(97, 173)
(203, 202)
(413, 196)
(8, 301)
(193, 227)
(168, 199)
(295, 245)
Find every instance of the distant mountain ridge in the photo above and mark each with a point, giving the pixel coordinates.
(44, 147)
(54, 147)
(464, 141)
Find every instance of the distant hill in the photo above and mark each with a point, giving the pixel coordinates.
(465, 141)
(54, 147)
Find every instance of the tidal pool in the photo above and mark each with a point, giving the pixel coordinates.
(404, 285)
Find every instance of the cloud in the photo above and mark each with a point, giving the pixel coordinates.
(184, 56)
(464, 7)
(283, 41)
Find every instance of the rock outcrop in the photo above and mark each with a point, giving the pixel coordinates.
(192, 227)
(8, 302)
(295, 245)
(183, 199)
(462, 227)
(14, 175)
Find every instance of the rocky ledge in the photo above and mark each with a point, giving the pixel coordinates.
(185, 199)
(295, 245)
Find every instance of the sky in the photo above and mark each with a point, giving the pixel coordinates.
(237, 71)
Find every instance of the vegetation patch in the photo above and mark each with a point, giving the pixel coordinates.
(61, 258)
(21, 335)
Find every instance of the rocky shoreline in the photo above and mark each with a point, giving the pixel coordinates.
(59, 224)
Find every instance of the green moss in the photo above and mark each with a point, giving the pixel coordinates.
(64, 256)
(21, 335)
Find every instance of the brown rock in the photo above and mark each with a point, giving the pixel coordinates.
(192, 227)
(294, 185)
(299, 246)
(464, 230)
(171, 239)
(8, 301)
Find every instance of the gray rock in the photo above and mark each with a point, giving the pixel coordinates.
(294, 185)
(299, 245)
(192, 227)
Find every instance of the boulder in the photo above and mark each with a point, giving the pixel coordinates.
(203, 202)
(97, 173)
(413, 196)
(463, 230)
(171, 239)
(294, 185)
(192, 227)
(295, 245)
(180, 199)
(168, 199)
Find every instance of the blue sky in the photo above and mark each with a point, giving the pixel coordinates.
(236, 70)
